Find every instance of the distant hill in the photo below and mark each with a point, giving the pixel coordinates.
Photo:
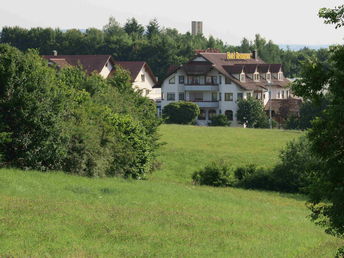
(298, 47)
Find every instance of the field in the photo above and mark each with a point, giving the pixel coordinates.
(55, 214)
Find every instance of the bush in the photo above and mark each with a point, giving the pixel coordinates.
(295, 171)
(253, 177)
(214, 174)
(220, 120)
(70, 121)
(180, 112)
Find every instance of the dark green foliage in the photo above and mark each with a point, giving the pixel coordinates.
(219, 120)
(253, 177)
(32, 105)
(295, 173)
(215, 174)
(292, 123)
(251, 112)
(297, 167)
(70, 121)
(159, 47)
(180, 112)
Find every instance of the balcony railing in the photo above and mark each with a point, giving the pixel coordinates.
(205, 103)
(203, 87)
(201, 84)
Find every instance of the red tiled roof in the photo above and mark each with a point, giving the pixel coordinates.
(134, 67)
(292, 104)
(90, 63)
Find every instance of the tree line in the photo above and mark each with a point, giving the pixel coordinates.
(159, 47)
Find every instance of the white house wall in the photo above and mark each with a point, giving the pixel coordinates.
(106, 70)
(146, 86)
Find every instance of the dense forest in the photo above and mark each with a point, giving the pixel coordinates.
(159, 47)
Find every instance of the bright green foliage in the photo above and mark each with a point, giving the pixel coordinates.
(180, 112)
(219, 120)
(251, 112)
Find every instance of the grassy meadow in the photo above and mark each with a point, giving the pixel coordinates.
(56, 214)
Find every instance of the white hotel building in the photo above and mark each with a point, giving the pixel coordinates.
(216, 81)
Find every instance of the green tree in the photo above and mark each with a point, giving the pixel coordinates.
(251, 112)
(180, 112)
(326, 135)
(32, 106)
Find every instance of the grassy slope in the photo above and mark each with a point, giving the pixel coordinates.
(55, 214)
(189, 148)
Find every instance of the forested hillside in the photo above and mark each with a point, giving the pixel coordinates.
(159, 47)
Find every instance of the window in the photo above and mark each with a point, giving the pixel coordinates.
(227, 81)
(181, 79)
(248, 95)
(287, 93)
(268, 76)
(242, 77)
(211, 113)
(181, 96)
(229, 115)
(220, 79)
(220, 96)
(214, 96)
(240, 96)
(171, 96)
(264, 96)
(143, 77)
(201, 115)
(196, 80)
(162, 96)
(256, 76)
(282, 94)
(213, 79)
(280, 76)
(279, 95)
(172, 80)
(147, 92)
(228, 96)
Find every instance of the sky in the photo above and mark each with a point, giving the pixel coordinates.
(284, 22)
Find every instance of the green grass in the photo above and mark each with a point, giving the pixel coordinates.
(55, 214)
(188, 148)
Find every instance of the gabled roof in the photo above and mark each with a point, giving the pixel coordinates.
(293, 105)
(134, 67)
(231, 67)
(90, 63)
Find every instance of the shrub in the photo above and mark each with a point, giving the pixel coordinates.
(295, 171)
(214, 174)
(220, 120)
(253, 177)
(180, 112)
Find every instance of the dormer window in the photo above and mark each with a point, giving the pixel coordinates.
(256, 76)
(242, 77)
(268, 76)
(280, 76)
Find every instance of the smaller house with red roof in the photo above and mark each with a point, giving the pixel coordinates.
(142, 76)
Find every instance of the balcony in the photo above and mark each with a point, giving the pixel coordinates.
(206, 104)
(201, 87)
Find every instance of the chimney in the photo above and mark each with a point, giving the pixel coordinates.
(54, 53)
(255, 54)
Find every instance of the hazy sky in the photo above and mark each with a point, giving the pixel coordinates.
(283, 21)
